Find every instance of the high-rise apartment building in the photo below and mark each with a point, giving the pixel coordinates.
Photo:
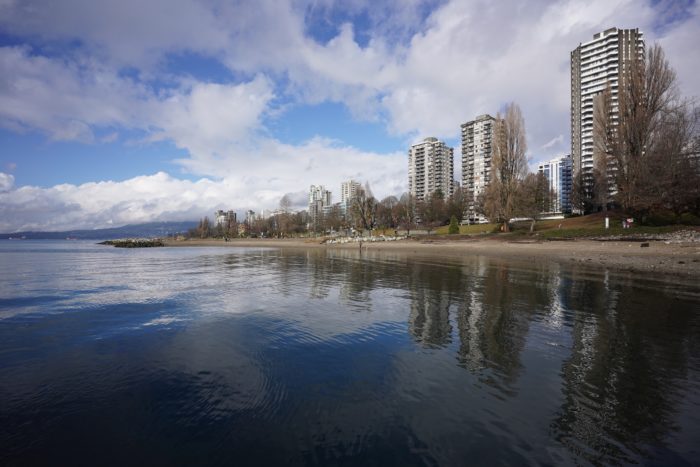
(249, 217)
(224, 218)
(430, 168)
(319, 198)
(477, 149)
(558, 173)
(595, 65)
(348, 190)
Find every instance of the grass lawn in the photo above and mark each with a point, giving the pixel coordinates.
(592, 225)
(475, 229)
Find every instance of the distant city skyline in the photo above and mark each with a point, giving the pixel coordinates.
(118, 113)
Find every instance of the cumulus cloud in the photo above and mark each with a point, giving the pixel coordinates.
(125, 33)
(68, 101)
(7, 181)
(212, 119)
(103, 204)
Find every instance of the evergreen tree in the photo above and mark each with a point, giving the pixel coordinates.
(454, 226)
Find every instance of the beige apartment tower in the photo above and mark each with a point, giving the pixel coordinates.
(595, 65)
(477, 149)
(348, 190)
(430, 168)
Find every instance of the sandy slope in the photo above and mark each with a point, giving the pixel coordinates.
(677, 258)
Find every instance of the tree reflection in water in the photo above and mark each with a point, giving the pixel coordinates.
(628, 346)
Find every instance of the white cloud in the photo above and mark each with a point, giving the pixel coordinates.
(555, 142)
(7, 181)
(163, 197)
(127, 33)
(679, 44)
(212, 119)
(68, 100)
(64, 99)
(110, 138)
(269, 169)
(102, 204)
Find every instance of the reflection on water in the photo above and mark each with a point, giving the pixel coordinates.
(633, 360)
(217, 356)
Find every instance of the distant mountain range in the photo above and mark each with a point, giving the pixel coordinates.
(148, 230)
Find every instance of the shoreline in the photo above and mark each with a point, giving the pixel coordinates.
(660, 257)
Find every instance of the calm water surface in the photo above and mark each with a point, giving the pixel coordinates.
(198, 356)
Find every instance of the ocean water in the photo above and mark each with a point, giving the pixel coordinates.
(252, 356)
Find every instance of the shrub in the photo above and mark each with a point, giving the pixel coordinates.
(454, 226)
(659, 218)
(689, 218)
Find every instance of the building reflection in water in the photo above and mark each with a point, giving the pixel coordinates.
(433, 294)
(624, 348)
(625, 377)
(493, 321)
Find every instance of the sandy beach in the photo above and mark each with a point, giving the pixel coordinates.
(668, 258)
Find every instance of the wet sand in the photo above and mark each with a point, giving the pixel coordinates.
(660, 257)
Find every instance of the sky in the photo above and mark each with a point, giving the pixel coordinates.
(114, 113)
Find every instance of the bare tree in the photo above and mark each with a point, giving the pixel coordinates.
(627, 134)
(407, 209)
(432, 211)
(229, 228)
(284, 218)
(204, 229)
(388, 212)
(674, 162)
(534, 198)
(258, 227)
(298, 221)
(218, 230)
(364, 208)
(508, 166)
(332, 221)
(458, 203)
